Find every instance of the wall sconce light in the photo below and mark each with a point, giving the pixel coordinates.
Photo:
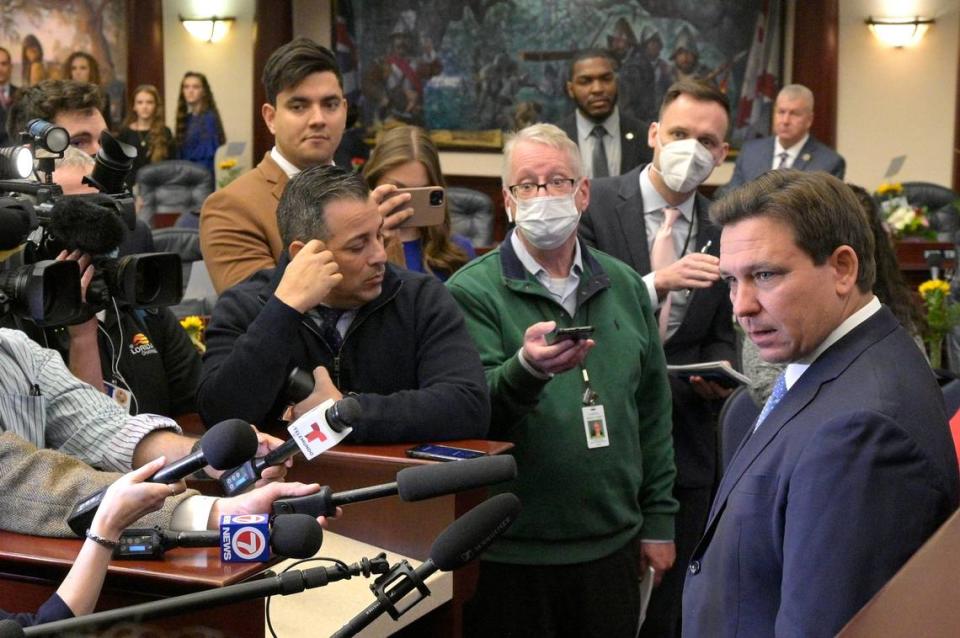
(899, 32)
(211, 29)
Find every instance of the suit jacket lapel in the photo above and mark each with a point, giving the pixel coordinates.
(274, 175)
(629, 212)
(806, 154)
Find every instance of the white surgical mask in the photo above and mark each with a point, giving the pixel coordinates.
(684, 164)
(547, 222)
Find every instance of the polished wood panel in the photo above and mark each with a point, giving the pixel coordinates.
(145, 45)
(956, 132)
(911, 255)
(815, 37)
(31, 568)
(273, 27)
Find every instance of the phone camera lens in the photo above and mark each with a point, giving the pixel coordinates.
(436, 198)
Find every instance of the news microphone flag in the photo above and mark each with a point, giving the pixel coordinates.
(244, 538)
(312, 432)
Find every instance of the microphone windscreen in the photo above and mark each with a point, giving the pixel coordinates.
(427, 481)
(295, 536)
(228, 444)
(15, 223)
(88, 223)
(347, 411)
(470, 534)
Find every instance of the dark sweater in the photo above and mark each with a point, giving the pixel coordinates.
(407, 354)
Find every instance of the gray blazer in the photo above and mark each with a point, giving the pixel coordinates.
(756, 158)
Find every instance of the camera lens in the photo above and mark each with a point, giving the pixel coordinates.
(436, 198)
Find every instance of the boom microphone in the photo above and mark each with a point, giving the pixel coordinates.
(291, 536)
(341, 415)
(460, 543)
(413, 484)
(227, 444)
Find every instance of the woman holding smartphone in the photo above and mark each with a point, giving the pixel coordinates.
(407, 158)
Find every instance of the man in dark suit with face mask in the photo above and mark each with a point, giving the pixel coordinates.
(653, 219)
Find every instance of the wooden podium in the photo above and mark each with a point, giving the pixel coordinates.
(31, 569)
(405, 528)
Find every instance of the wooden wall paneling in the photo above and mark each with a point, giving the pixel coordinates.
(815, 35)
(145, 44)
(956, 133)
(272, 27)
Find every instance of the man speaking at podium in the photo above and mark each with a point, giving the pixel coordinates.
(850, 466)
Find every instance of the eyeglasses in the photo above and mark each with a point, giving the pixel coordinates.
(554, 186)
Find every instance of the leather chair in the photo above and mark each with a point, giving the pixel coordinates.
(199, 295)
(737, 415)
(170, 188)
(941, 206)
(471, 215)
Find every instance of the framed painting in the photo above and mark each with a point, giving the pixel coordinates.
(470, 69)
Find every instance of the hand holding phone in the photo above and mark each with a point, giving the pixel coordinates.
(574, 333)
(429, 206)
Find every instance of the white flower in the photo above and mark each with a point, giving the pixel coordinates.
(901, 217)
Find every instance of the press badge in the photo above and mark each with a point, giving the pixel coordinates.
(118, 394)
(595, 426)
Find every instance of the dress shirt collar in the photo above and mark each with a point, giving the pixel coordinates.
(285, 165)
(532, 266)
(652, 201)
(792, 152)
(795, 370)
(585, 125)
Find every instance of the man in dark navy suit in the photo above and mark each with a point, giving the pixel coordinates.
(611, 142)
(850, 466)
(791, 147)
(7, 93)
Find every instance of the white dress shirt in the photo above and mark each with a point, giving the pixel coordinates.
(611, 141)
(791, 152)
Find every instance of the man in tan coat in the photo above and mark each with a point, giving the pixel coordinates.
(306, 112)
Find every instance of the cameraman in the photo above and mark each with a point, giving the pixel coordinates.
(143, 351)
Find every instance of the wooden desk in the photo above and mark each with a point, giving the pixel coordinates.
(912, 257)
(31, 569)
(404, 528)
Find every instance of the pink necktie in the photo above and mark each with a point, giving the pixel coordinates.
(662, 255)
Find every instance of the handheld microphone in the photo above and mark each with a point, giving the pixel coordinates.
(291, 536)
(460, 543)
(226, 444)
(413, 484)
(339, 416)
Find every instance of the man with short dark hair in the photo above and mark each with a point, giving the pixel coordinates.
(306, 112)
(850, 466)
(611, 142)
(628, 218)
(7, 95)
(791, 146)
(334, 305)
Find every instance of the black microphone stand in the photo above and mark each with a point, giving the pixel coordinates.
(291, 582)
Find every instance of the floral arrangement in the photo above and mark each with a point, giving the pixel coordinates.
(901, 218)
(941, 314)
(356, 164)
(194, 326)
(231, 171)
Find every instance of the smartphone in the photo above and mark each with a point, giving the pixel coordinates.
(442, 453)
(574, 332)
(429, 204)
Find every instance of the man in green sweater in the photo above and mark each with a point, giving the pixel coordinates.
(597, 501)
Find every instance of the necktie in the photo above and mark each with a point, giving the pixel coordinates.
(329, 318)
(779, 390)
(662, 255)
(783, 160)
(5, 96)
(600, 168)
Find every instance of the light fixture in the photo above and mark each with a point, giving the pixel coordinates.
(899, 32)
(16, 162)
(211, 29)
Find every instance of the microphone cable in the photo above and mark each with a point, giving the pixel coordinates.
(336, 561)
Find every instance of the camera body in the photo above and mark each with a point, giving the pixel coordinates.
(39, 215)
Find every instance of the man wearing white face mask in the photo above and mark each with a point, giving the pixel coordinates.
(653, 219)
(591, 433)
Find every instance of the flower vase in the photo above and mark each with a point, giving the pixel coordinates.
(935, 350)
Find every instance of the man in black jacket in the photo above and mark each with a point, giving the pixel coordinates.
(334, 305)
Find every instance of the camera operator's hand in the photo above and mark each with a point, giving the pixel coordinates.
(390, 204)
(309, 277)
(84, 349)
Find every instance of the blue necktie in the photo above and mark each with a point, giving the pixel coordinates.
(779, 390)
(329, 318)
